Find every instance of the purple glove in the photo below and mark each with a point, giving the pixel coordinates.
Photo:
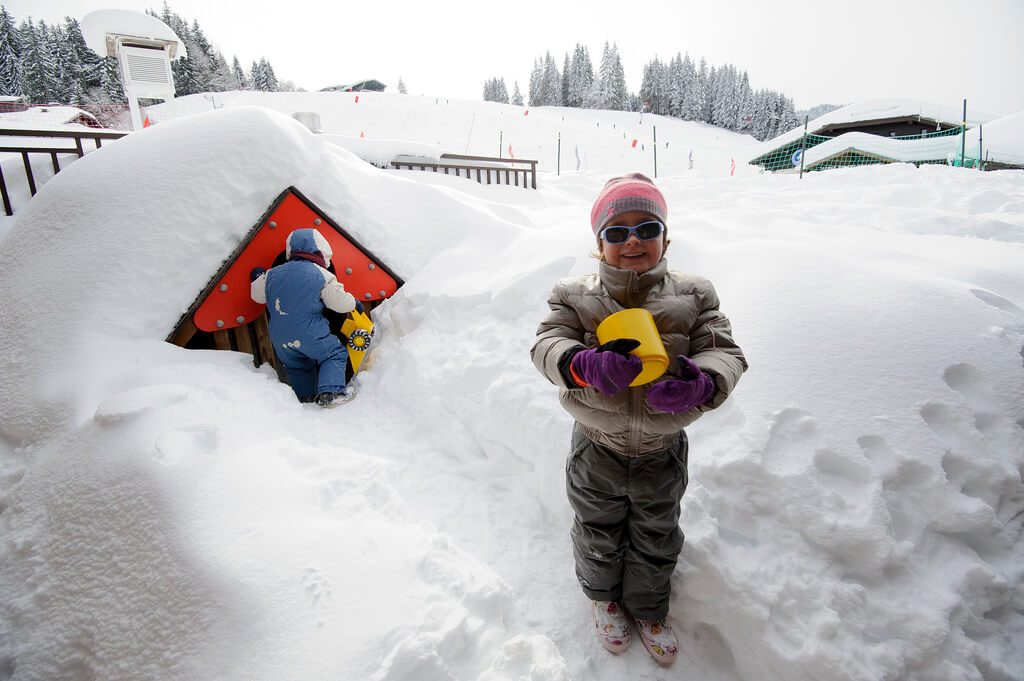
(691, 389)
(609, 367)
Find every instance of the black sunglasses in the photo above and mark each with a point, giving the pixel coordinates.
(645, 231)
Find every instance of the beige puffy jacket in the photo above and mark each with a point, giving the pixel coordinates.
(685, 310)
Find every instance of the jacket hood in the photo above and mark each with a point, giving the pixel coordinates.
(308, 240)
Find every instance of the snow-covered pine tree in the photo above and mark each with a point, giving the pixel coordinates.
(272, 82)
(199, 38)
(263, 77)
(517, 96)
(187, 77)
(616, 88)
(175, 22)
(88, 63)
(787, 116)
(65, 70)
(692, 103)
(725, 100)
(495, 91)
(654, 94)
(564, 99)
(551, 83)
(195, 68)
(402, 90)
(10, 46)
(258, 77)
(675, 86)
(241, 79)
(215, 76)
(38, 69)
(703, 92)
(745, 111)
(760, 118)
(580, 78)
(610, 89)
(536, 83)
(110, 82)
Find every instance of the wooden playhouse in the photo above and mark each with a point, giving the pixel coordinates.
(224, 317)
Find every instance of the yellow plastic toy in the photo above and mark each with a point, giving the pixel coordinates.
(357, 332)
(637, 323)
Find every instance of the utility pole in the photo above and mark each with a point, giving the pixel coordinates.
(803, 148)
(655, 151)
(963, 137)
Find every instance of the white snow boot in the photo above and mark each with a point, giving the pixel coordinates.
(611, 626)
(659, 639)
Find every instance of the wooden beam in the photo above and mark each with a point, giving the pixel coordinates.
(184, 333)
(222, 340)
(242, 341)
(263, 344)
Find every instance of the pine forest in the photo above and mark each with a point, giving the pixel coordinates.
(682, 88)
(51, 64)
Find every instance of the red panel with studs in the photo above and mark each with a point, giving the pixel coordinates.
(228, 304)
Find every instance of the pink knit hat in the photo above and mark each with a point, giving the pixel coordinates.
(634, 191)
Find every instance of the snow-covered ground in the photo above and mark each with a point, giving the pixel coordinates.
(854, 510)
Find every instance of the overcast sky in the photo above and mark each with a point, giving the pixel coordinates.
(814, 51)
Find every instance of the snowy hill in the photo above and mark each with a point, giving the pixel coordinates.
(854, 510)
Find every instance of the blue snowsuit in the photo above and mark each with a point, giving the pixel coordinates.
(296, 293)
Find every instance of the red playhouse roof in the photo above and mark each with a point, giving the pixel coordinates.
(226, 304)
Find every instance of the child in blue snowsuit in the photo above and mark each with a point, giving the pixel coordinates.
(296, 294)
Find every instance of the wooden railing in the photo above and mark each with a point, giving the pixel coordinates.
(480, 168)
(54, 148)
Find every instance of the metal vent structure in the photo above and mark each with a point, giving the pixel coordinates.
(147, 71)
(144, 47)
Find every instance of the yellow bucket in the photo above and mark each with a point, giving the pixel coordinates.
(637, 323)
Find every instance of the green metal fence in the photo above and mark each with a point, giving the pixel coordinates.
(819, 152)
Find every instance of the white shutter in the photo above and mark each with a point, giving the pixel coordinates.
(147, 72)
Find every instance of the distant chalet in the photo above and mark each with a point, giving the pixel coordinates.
(893, 131)
(361, 86)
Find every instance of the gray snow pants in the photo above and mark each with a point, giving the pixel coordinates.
(626, 535)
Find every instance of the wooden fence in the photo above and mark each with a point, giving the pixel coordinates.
(483, 169)
(64, 142)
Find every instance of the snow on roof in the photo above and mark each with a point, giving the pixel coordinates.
(908, 151)
(96, 25)
(368, 85)
(876, 109)
(382, 152)
(46, 116)
(1002, 139)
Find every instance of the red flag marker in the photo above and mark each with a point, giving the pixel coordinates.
(634, 143)
(146, 122)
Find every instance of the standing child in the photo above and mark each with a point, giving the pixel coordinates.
(298, 291)
(627, 469)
